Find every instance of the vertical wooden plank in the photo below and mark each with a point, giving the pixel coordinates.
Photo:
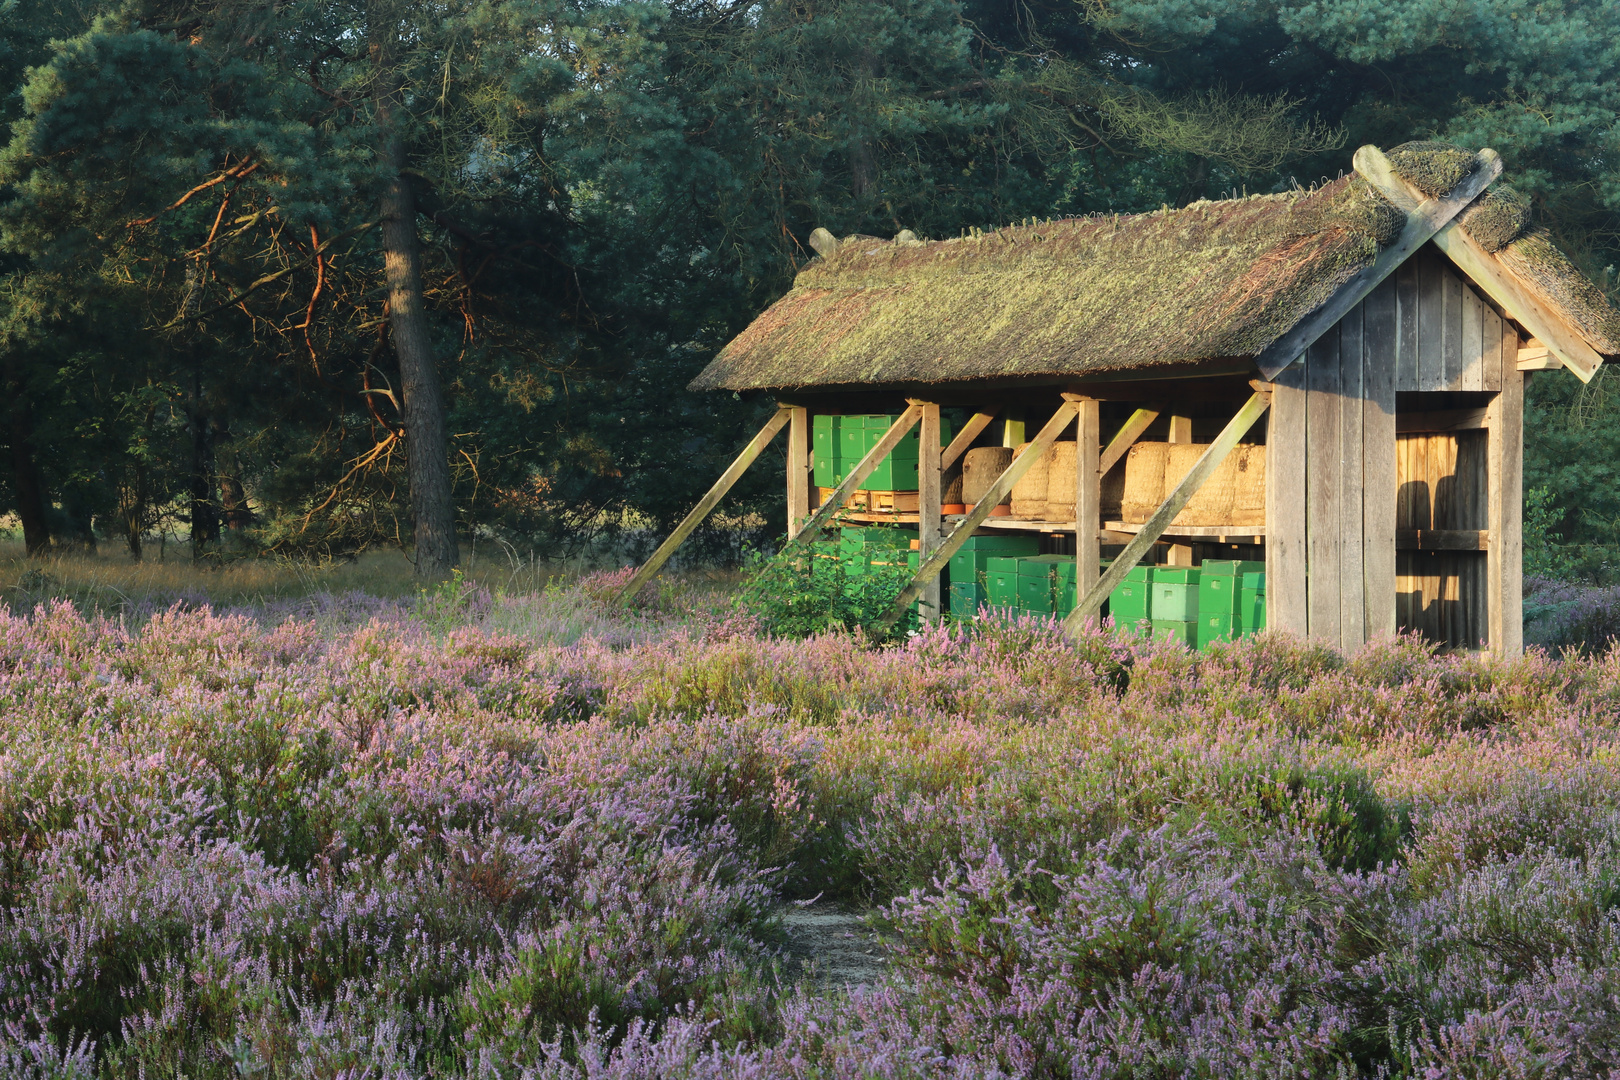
(1286, 608)
(1406, 314)
(1379, 474)
(1505, 484)
(1451, 290)
(1087, 495)
(1322, 487)
(929, 523)
(798, 469)
(1180, 432)
(1472, 376)
(1352, 404)
(1431, 366)
(1492, 334)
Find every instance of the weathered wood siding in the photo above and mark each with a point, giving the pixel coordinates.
(1340, 484)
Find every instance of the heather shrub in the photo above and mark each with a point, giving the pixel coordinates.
(536, 837)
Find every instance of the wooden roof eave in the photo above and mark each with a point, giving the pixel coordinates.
(1519, 298)
(1424, 219)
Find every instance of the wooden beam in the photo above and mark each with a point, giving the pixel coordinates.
(931, 567)
(1088, 491)
(1518, 297)
(1537, 357)
(1202, 470)
(1180, 435)
(733, 473)
(798, 469)
(1442, 540)
(965, 437)
(874, 457)
(1422, 222)
(929, 479)
(1121, 443)
(1441, 420)
(1504, 485)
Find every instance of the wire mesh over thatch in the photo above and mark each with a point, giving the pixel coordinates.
(1212, 281)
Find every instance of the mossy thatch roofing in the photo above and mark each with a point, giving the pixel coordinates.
(1214, 280)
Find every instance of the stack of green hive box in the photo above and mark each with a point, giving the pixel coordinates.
(1175, 604)
(1131, 602)
(1218, 601)
(970, 570)
(839, 443)
(1046, 584)
(1229, 606)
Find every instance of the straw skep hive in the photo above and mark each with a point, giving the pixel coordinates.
(980, 468)
(1029, 494)
(1235, 495)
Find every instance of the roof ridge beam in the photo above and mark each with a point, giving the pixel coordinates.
(1518, 297)
(1422, 222)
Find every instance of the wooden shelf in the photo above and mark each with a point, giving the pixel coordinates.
(1223, 534)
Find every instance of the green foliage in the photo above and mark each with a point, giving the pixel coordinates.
(805, 591)
(609, 192)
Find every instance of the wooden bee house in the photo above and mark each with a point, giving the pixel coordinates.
(1329, 379)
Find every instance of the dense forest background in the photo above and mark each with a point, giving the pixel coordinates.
(244, 244)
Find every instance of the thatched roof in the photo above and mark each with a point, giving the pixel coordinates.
(1212, 281)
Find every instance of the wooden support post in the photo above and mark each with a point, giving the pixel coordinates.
(733, 473)
(1287, 601)
(1091, 603)
(929, 479)
(1126, 437)
(965, 437)
(798, 469)
(1087, 493)
(1518, 297)
(874, 457)
(1003, 485)
(1180, 433)
(1422, 222)
(1504, 558)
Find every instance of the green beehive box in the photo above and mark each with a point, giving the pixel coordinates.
(1218, 594)
(1001, 544)
(1001, 581)
(1065, 596)
(1140, 573)
(1035, 593)
(1181, 631)
(1174, 601)
(1254, 583)
(1131, 602)
(824, 449)
(1251, 612)
(1231, 567)
(1213, 628)
(966, 599)
(1176, 575)
(893, 473)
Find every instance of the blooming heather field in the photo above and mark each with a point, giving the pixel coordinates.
(348, 837)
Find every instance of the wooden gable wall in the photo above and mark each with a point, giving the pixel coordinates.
(1389, 513)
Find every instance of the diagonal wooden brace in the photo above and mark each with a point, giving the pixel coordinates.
(1517, 297)
(755, 447)
(1422, 222)
(874, 457)
(1201, 471)
(1121, 443)
(999, 490)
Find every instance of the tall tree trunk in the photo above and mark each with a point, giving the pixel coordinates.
(25, 480)
(204, 509)
(132, 509)
(427, 448)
